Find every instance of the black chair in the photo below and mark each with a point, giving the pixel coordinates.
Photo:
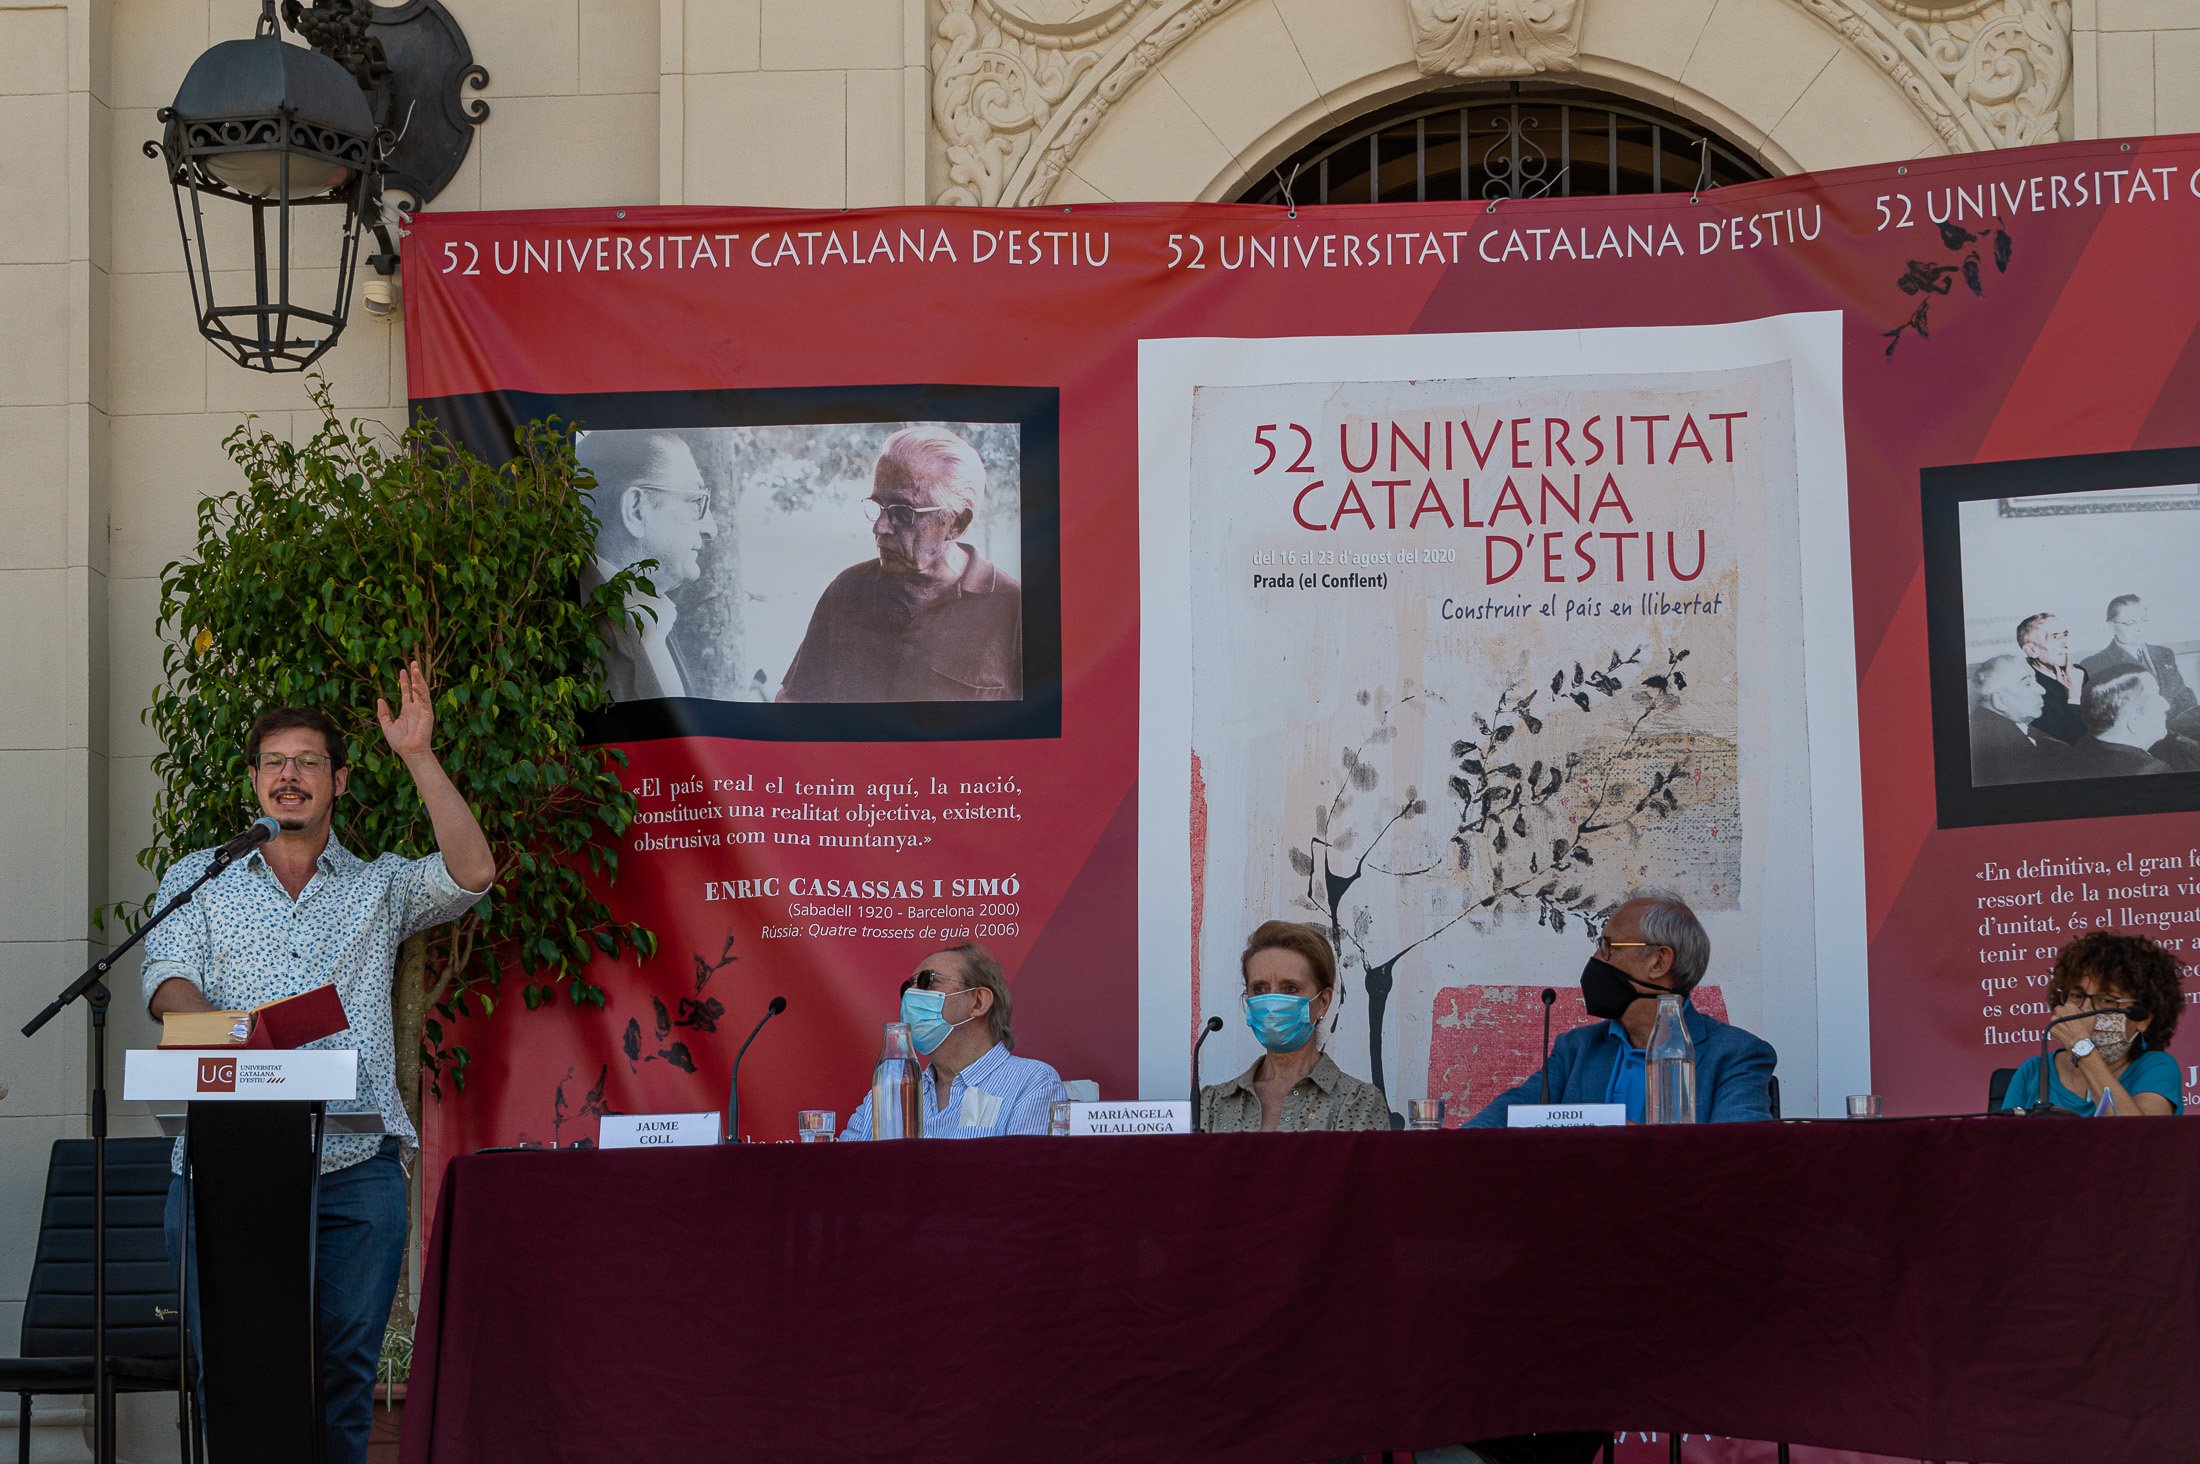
(1772, 1094)
(1997, 1088)
(143, 1332)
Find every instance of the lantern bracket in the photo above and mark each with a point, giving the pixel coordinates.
(413, 62)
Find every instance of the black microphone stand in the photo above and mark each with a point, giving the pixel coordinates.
(2043, 1108)
(1549, 996)
(1214, 1025)
(91, 989)
(733, 1084)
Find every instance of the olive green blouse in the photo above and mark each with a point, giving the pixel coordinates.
(1326, 1100)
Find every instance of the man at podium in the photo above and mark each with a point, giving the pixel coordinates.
(300, 912)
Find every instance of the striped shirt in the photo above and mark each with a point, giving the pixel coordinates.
(243, 942)
(996, 1095)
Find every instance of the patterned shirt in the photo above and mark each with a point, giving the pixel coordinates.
(243, 941)
(998, 1094)
(1328, 1099)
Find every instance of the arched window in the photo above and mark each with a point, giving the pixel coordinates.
(1510, 140)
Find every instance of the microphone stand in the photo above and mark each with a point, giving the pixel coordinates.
(1549, 996)
(733, 1084)
(2043, 1108)
(91, 989)
(1214, 1025)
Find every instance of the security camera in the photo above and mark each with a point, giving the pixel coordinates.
(380, 295)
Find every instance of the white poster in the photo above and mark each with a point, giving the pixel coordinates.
(1468, 639)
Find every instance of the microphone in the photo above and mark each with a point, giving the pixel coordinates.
(263, 828)
(1549, 996)
(1214, 1025)
(733, 1086)
(2043, 1108)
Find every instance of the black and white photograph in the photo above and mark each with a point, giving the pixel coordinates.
(837, 562)
(829, 564)
(2072, 636)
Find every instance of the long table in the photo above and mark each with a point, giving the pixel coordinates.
(2025, 1291)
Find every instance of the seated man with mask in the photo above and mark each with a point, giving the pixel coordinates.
(1653, 944)
(957, 1009)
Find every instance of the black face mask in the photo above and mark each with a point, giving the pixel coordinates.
(1608, 991)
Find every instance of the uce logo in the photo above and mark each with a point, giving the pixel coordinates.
(217, 1075)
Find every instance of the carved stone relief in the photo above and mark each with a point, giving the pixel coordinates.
(1019, 85)
(1484, 38)
(2008, 61)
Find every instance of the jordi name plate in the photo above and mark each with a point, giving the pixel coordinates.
(1561, 1115)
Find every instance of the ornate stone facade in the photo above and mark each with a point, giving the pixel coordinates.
(1018, 85)
(1486, 38)
(2008, 61)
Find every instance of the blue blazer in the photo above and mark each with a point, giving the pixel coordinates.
(1733, 1071)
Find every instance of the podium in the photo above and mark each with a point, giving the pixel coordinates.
(252, 1127)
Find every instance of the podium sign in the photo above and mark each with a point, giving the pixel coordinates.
(231, 1075)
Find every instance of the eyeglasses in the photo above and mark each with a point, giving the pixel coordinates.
(305, 762)
(929, 980)
(697, 504)
(1621, 945)
(2097, 1001)
(899, 517)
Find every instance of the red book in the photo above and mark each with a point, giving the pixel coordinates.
(291, 1022)
(296, 1020)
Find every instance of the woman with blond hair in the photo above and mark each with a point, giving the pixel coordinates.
(1290, 977)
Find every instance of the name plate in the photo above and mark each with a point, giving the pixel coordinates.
(658, 1130)
(1130, 1118)
(1563, 1115)
(241, 1075)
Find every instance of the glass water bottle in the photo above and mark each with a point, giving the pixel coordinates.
(894, 1087)
(1670, 1092)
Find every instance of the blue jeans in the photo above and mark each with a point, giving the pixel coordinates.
(363, 1223)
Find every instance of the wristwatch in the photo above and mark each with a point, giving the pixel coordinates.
(2082, 1048)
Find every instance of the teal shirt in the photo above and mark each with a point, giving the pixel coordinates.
(2150, 1072)
(1630, 1076)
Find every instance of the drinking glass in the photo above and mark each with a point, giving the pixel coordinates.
(1426, 1114)
(1058, 1117)
(1863, 1105)
(816, 1125)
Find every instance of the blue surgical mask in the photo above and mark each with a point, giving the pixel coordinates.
(923, 1011)
(1282, 1023)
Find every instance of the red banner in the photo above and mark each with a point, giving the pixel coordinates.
(1269, 521)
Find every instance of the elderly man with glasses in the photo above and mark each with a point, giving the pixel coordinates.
(928, 619)
(957, 1008)
(652, 507)
(301, 912)
(1651, 945)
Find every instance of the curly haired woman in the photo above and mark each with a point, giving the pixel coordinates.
(2118, 1064)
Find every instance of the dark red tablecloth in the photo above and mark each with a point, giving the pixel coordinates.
(1996, 1289)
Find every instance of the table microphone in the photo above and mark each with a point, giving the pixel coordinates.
(2043, 1108)
(1549, 996)
(1214, 1025)
(733, 1086)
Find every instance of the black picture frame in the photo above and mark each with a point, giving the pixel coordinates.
(1942, 492)
(487, 424)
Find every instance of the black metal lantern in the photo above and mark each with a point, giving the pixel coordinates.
(301, 136)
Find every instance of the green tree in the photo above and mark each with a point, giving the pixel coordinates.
(332, 565)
